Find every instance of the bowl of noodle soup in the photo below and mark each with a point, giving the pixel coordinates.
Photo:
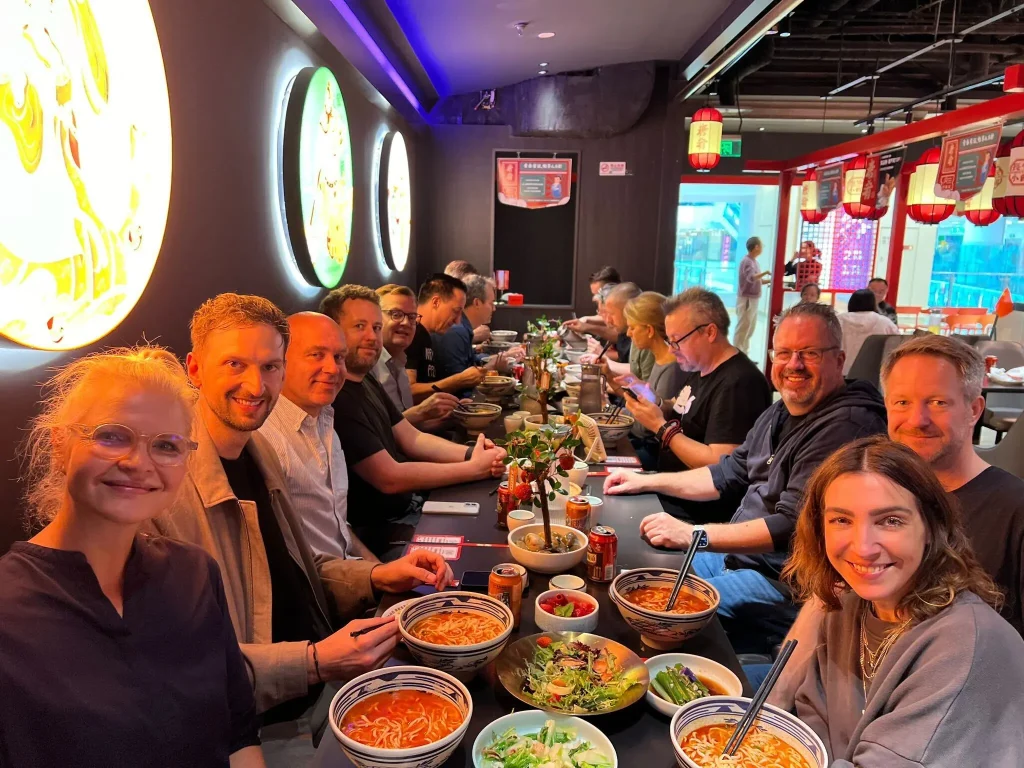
(457, 632)
(641, 595)
(401, 717)
(777, 739)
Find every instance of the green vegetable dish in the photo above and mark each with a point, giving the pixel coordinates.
(679, 685)
(574, 677)
(552, 747)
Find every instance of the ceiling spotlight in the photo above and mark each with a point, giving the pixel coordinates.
(543, 63)
(773, 31)
(761, 128)
(542, 72)
(786, 27)
(546, 35)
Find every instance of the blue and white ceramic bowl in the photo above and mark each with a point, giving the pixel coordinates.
(659, 629)
(729, 710)
(463, 661)
(395, 679)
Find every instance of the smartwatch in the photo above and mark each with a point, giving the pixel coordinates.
(665, 428)
(702, 543)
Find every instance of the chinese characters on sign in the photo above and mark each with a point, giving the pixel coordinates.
(880, 177)
(965, 163)
(534, 183)
(609, 168)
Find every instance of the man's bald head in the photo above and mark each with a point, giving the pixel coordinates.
(315, 361)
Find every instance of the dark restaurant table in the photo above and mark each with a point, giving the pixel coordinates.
(638, 733)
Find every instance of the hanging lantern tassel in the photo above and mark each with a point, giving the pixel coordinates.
(978, 209)
(923, 206)
(809, 209)
(705, 146)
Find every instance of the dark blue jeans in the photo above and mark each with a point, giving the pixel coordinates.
(754, 613)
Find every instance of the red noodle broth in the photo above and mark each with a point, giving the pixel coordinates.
(656, 598)
(760, 749)
(401, 719)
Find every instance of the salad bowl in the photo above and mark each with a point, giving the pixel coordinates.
(520, 724)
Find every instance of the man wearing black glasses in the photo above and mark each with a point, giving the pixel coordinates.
(817, 414)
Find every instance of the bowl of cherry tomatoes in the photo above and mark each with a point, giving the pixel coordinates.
(566, 610)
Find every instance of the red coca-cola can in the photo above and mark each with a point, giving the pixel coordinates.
(990, 362)
(601, 554)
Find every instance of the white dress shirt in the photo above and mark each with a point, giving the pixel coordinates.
(314, 466)
(390, 372)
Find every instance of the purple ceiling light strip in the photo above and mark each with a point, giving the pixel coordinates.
(371, 45)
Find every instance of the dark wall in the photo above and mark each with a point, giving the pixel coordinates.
(226, 64)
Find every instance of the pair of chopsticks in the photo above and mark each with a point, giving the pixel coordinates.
(747, 721)
(687, 562)
(605, 348)
(367, 630)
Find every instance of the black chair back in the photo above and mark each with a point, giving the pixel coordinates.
(868, 364)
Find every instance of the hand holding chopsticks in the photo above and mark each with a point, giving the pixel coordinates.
(687, 562)
(747, 721)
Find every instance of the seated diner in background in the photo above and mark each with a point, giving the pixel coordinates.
(300, 429)
(399, 314)
(627, 359)
(721, 395)
(810, 294)
(601, 282)
(284, 600)
(89, 606)
(817, 414)
(912, 666)
(461, 270)
(440, 303)
(391, 462)
(860, 320)
(880, 287)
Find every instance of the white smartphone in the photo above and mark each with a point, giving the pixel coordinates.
(451, 508)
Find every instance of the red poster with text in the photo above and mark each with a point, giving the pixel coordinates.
(526, 182)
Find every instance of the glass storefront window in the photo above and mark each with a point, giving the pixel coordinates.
(972, 265)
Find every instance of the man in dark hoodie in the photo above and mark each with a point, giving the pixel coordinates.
(818, 413)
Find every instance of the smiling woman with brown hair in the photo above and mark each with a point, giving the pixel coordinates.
(911, 648)
(117, 648)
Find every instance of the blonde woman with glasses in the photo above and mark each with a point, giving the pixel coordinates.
(116, 648)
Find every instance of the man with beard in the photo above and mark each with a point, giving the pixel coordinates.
(398, 309)
(284, 601)
(818, 413)
(390, 458)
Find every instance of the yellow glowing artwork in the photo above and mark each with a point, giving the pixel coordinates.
(85, 166)
(399, 202)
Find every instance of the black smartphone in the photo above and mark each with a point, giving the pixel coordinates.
(631, 394)
(475, 581)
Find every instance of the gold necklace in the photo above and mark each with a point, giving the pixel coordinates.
(869, 668)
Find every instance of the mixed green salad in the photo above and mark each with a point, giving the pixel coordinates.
(679, 685)
(552, 747)
(574, 677)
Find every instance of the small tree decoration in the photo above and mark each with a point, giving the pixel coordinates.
(542, 456)
(542, 354)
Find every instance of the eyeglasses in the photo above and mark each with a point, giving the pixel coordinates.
(674, 343)
(398, 316)
(811, 356)
(115, 441)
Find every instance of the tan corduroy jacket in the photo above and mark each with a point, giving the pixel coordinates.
(208, 514)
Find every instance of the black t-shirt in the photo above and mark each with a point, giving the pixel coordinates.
(419, 356)
(992, 505)
(293, 599)
(364, 418)
(623, 345)
(163, 685)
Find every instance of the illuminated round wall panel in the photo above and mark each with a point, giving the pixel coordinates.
(85, 167)
(394, 202)
(317, 169)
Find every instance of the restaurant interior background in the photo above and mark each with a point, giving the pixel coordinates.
(229, 65)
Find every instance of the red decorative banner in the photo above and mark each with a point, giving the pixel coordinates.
(965, 163)
(534, 182)
(880, 176)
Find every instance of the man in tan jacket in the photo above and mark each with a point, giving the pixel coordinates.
(284, 601)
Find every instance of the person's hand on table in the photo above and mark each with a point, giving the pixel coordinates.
(487, 460)
(439, 405)
(622, 481)
(663, 530)
(646, 413)
(410, 571)
(343, 657)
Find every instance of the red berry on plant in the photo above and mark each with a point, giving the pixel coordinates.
(523, 492)
(566, 461)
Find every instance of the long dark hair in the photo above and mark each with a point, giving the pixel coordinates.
(948, 566)
(862, 301)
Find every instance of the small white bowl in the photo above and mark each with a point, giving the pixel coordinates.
(504, 335)
(532, 423)
(546, 562)
(578, 473)
(396, 679)
(549, 622)
(520, 517)
(700, 666)
(531, 721)
(564, 582)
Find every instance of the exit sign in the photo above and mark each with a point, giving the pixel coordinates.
(731, 146)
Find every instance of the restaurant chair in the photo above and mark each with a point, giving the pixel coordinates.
(1008, 454)
(1002, 409)
(868, 364)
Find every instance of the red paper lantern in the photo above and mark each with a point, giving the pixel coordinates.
(705, 146)
(809, 209)
(853, 185)
(1001, 176)
(923, 206)
(1011, 202)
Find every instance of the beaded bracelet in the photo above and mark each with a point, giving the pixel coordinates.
(674, 430)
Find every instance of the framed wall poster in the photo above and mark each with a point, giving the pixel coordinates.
(85, 167)
(317, 177)
(534, 182)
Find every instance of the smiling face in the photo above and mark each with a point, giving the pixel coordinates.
(875, 536)
(132, 489)
(801, 383)
(928, 410)
(239, 373)
(398, 333)
(315, 367)
(363, 325)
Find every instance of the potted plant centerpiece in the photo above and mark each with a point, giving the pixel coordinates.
(541, 357)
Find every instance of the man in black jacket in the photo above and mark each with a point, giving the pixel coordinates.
(818, 413)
